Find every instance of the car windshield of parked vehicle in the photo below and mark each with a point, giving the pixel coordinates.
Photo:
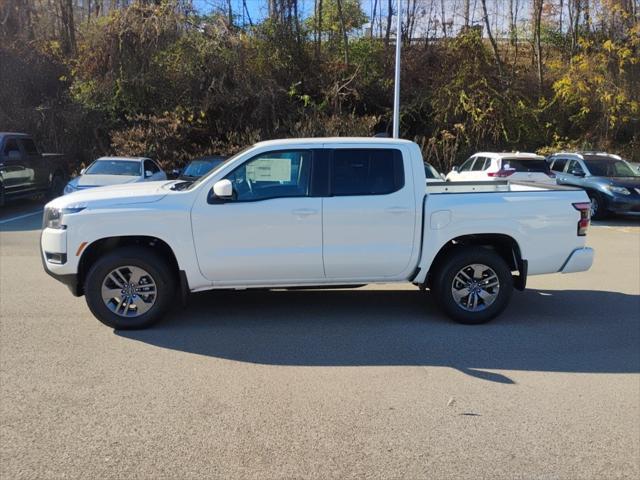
(431, 172)
(525, 164)
(114, 167)
(197, 168)
(600, 166)
(188, 184)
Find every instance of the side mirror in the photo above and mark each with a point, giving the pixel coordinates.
(82, 171)
(176, 172)
(14, 155)
(577, 173)
(443, 177)
(147, 173)
(223, 189)
(455, 168)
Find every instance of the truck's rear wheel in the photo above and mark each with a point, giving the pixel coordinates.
(129, 288)
(473, 285)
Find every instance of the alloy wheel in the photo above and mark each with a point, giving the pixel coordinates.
(129, 291)
(475, 287)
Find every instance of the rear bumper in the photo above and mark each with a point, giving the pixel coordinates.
(580, 260)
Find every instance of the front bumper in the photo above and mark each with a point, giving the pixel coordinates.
(580, 260)
(624, 203)
(53, 253)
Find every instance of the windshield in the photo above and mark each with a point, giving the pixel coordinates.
(609, 167)
(197, 168)
(525, 165)
(204, 177)
(114, 167)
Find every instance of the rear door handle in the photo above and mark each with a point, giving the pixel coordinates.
(304, 212)
(397, 210)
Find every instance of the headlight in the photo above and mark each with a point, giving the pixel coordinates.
(620, 190)
(52, 217)
(69, 188)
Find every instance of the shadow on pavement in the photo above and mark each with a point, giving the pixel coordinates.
(555, 331)
(21, 215)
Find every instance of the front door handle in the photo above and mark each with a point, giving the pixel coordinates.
(304, 212)
(397, 210)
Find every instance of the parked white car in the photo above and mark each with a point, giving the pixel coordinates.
(115, 171)
(312, 213)
(487, 166)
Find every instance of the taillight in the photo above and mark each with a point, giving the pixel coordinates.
(585, 217)
(502, 173)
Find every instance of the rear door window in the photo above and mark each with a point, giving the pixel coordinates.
(366, 171)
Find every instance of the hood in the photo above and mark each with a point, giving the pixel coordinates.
(86, 181)
(128, 194)
(629, 182)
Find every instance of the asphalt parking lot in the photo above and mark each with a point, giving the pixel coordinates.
(371, 383)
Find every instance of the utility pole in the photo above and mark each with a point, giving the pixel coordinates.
(396, 82)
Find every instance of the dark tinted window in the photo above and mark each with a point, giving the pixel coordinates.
(29, 146)
(525, 165)
(150, 166)
(601, 166)
(558, 164)
(366, 172)
(10, 145)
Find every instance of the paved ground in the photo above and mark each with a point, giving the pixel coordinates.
(335, 384)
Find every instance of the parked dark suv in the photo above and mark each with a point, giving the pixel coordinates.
(25, 172)
(612, 184)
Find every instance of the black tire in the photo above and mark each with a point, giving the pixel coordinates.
(448, 269)
(598, 208)
(57, 186)
(140, 257)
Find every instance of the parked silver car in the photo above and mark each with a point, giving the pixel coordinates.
(116, 171)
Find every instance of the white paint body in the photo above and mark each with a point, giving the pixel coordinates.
(483, 166)
(322, 240)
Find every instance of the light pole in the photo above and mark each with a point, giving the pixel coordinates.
(396, 82)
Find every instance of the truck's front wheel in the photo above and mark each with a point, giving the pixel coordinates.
(129, 288)
(473, 285)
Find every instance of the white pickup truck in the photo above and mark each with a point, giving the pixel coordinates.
(323, 212)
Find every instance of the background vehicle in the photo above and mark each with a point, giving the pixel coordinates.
(612, 184)
(24, 171)
(312, 213)
(198, 167)
(432, 174)
(115, 171)
(524, 167)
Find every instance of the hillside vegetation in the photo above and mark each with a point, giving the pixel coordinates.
(158, 79)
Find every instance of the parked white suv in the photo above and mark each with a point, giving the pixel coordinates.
(312, 213)
(520, 167)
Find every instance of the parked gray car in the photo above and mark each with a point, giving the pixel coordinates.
(612, 184)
